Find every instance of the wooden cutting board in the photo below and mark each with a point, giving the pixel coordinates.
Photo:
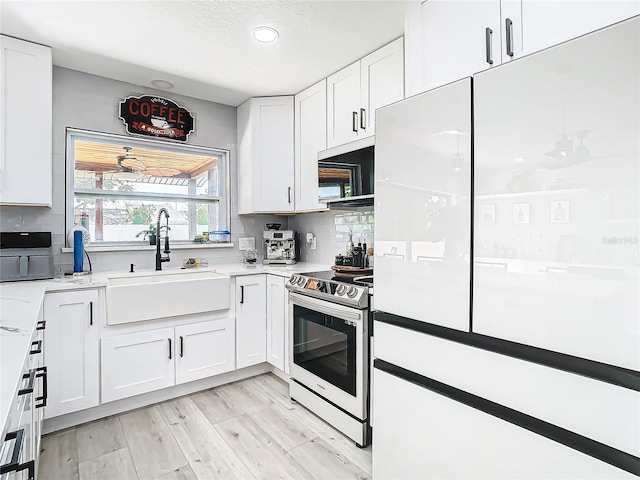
(352, 270)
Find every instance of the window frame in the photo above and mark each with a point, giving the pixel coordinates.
(223, 200)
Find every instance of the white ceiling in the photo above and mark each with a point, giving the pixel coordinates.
(206, 48)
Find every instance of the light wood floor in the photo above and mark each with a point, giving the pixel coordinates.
(247, 429)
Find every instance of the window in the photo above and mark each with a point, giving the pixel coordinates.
(119, 184)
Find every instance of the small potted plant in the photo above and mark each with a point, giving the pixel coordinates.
(149, 232)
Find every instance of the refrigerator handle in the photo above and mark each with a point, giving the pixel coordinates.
(508, 24)
(487, 44)
(354, 122)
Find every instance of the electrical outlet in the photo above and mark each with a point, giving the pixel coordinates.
(246, 243)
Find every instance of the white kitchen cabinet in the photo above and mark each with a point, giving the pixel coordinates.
(310, 138)
(447, 39)
(549, 22)
(356, 91)
(25, 123)
(277, 322)
(72, 354)
(204, 349)
(251, 325)
(381, 83)
(424, 434)
(343, 105)
(266, 155)
(136, 363)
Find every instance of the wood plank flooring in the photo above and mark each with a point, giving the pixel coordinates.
(244, 430)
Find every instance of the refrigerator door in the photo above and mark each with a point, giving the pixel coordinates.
(423, 190)
(557, 198)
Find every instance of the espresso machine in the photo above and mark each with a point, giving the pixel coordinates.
(280, 247)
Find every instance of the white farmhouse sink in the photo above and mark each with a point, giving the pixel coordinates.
(144, 296)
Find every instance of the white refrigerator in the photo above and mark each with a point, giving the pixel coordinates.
(507, 331)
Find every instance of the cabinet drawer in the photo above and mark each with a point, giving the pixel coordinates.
(598, 410)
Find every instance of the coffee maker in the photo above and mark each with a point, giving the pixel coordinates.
(280, 246)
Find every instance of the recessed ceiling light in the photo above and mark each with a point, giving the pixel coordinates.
(162, 84)
(265, 34)
(518, 159)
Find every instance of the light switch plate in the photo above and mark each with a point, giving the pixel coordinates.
(246, 243)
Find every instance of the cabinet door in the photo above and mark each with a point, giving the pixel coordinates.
(424, 434)
(137, 363)
(381, 83)
(265, 155)
(548, 22)
(204, 349)
(454, 39)
(343, 106)
(251, 325)
(277, 320)
(72, 338)
(310, 138)
(25, 123)
(423, 184)
(557, 189)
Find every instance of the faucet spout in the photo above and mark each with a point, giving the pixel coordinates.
(159, 258)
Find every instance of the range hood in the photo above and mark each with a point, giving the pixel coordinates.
(346, 175)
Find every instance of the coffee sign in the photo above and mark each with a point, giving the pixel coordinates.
(156, 117)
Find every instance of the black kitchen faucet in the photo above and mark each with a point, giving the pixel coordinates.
(159, 257)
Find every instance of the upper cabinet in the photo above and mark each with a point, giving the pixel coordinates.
(447, 40)
(355, 92)
(265, 155)
(310, 138)
(25, 123)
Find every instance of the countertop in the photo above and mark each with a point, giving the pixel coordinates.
(20, 304)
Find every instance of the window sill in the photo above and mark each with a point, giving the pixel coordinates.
(132, 248)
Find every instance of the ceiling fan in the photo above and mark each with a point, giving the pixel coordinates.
(130, 167)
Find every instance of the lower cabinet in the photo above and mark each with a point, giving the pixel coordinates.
(420, 433)
(277, 321)
(251, 327)
(136, 363)
(72, 335)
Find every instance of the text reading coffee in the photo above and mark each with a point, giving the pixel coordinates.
(156, 117)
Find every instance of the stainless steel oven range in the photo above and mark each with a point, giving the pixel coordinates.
(329, 351)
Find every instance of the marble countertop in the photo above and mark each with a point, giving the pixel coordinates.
(20, 305)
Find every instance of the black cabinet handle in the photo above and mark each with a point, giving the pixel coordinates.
(363, 118)
(170, 354)
(14, 465)
(508, 24)
(29, 389)
(36, 347)
(42, 373)
(241, 293)
(90, 313)
(41, 325)
(487, 44)
(289, 194)
(181, 347)
(354, 122)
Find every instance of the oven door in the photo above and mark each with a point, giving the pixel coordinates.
(328, 353)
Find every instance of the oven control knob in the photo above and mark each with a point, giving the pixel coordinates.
(353, 291)
(293, 280)
(341, 289)
(321, 287)
(301, 281)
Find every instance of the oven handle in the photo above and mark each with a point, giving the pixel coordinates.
(326, 307)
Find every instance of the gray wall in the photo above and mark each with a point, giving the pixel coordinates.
(90, 102)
